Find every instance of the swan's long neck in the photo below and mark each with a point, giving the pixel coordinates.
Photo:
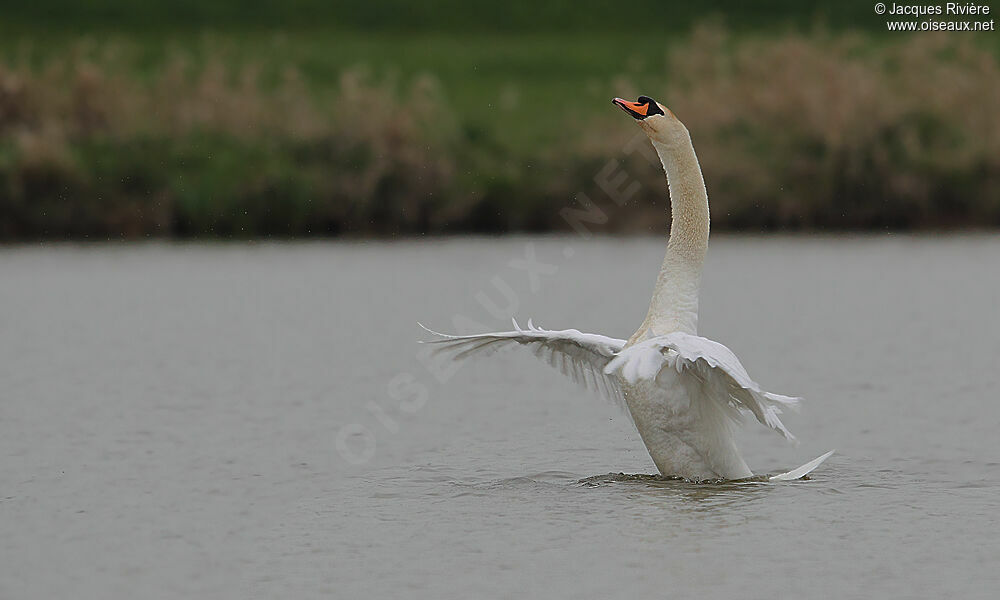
(674, 306)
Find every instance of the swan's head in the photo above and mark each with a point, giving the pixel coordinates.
(653, 118)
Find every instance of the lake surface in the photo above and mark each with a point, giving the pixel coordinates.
(242, 420)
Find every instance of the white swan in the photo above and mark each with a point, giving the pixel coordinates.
(684, 393)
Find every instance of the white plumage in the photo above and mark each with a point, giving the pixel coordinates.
(580, 356)
(714, 365)
(684, 393)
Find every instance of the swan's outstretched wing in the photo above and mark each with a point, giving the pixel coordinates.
(716, 366)
(581, 356)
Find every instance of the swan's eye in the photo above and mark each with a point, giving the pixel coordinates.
(654, 108)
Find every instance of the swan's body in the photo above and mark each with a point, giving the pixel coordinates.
(684, 393)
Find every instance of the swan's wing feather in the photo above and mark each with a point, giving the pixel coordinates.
(580, 356)
(712, 363)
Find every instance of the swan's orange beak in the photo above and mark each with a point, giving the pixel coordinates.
(645, 107)
(639, 111)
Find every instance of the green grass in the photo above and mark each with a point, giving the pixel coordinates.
(654, 17)
(521, 90)
(518, 72)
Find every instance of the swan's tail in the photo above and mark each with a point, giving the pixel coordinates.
(803, 470)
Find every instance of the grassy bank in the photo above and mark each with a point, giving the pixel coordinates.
(320, 132)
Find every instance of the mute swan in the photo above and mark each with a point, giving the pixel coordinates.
(684, 393)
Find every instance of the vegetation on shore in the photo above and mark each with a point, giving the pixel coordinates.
(288, 135)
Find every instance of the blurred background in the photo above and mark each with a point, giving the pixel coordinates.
(328, 118)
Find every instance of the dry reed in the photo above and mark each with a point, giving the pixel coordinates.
(792, 131)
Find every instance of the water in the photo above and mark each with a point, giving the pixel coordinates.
(180, 421)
